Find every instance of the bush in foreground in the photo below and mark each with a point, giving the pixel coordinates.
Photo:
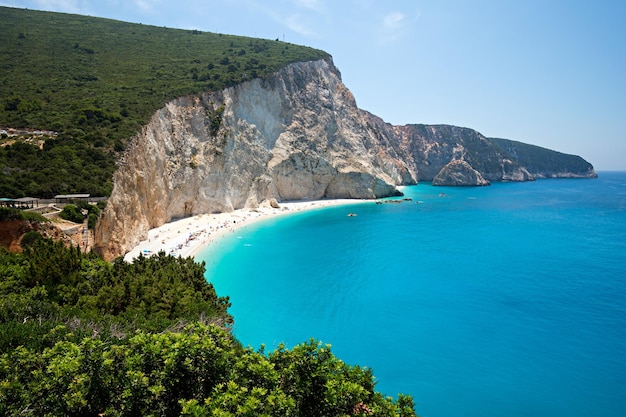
(82, 337)
(199, 371)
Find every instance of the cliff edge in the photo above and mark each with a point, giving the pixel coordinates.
(296, 135)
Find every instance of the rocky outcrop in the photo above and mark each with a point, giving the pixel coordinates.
(12, 232)
(545, 163)
(458, 173)
(432, 147)
(295, 135)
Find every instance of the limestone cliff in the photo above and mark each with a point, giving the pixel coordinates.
(433, 147)
(459, 172)
(296, 135)
(545, 163)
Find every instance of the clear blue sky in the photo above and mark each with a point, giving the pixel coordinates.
(546, 72)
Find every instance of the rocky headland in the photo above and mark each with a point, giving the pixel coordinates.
(296, 135)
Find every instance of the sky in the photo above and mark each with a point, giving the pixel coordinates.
(547, 72)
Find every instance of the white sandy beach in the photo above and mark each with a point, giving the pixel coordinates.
(186, 237)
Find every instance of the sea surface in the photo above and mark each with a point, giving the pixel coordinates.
(507, 300)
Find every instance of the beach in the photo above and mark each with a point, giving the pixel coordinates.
(186, 237)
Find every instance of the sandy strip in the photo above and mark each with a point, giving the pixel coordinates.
(186, 237)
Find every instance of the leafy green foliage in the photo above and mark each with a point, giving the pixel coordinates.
(30, 238)
(49, 284)
(97, 81)
(93, 212)
(72, 213)
(66, 164)
(199, 371)
(216, 120)
(8, 213)
(75, 213)
(80, 336)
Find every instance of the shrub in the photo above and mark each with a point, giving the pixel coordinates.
(92, 220)
(30, 238)
(72, 213)
(8, 213)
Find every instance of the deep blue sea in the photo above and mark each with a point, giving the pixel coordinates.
(507, 300)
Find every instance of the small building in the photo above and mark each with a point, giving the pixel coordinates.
(19, 203)
(26, 202)
(69, 198)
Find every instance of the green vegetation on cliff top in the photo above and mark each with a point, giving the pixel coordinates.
(97, 81)
(538, 160)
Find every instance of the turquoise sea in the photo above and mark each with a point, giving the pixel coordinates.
(507, 300)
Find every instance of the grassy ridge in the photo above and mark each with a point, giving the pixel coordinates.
(97, 81)
(541, 161)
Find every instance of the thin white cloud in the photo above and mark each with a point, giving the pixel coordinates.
(144, 5)
(395, 26)
(315, 5)
(294, 22)
(67, 6)
(153, 6)
(298, 16)
(86, 6)
(83, 7)
(394, 21)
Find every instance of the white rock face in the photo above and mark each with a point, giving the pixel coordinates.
(459, 173)
(297, 135)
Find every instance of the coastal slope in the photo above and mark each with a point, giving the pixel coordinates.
(433, 147)
(545, 163)
(295, 135)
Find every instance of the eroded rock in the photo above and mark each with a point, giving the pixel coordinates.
(458, 173)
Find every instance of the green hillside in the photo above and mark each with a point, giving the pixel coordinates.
(96, 81)
(541, 161)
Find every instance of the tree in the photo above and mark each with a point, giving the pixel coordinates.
(197, 371)
(29, 238)
(72, 213)
(80, 336)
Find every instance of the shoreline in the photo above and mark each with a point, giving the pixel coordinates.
(188, 236)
